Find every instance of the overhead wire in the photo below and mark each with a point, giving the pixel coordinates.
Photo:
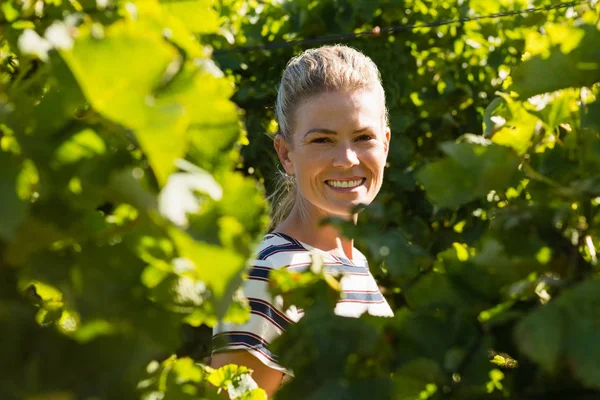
(378, 31)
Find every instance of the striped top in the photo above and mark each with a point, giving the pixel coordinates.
(268, 320)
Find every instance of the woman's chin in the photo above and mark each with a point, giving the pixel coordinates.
(348, 209)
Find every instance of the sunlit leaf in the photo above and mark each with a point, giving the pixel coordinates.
(142, 61)
(197, 15)
(580, 67)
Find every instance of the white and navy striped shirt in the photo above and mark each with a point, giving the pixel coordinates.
(360, 294)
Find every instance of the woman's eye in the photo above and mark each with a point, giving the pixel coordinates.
(321, 140)
(364, 137)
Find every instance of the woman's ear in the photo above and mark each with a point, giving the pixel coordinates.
(388, 136)
(282, 147)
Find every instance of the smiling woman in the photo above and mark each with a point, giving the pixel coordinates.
(339, 139)
(333, 143)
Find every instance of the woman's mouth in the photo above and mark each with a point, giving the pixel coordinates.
(345, 184)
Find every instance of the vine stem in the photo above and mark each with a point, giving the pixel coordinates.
(535, 175)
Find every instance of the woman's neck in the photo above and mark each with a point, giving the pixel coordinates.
(304, 226)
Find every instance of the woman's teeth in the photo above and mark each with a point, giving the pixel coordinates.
(345, 184)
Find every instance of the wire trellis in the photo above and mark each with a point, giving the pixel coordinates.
(377, 31)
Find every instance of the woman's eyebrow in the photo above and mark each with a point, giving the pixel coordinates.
(366, 128)
(320, 130)
(330, 132)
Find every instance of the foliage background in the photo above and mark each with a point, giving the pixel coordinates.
(483, 238)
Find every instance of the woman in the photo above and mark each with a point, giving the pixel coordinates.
(333, 143)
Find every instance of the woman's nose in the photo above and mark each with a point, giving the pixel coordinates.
(345, 156)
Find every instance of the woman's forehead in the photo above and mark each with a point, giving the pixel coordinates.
(342, 108)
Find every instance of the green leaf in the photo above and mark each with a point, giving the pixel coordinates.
(518, 130)
(82, 145)
(33, 235)
(469, 172)
(180, 195)
(9, 12)
(402, 258)
(446, 185)
(14, 209)
(215, 122)
(177, 379)
(432, 290)
(125, 186)
(560, 109)
(62, 99)
(219, 268)
(565, 333)
(494, 268)
(163, 138)
(186, 370)
(178, 294)
(223, 376)
(490, 111)
(581, 67)
(477, 370)
(539, 336)
(237, 190)
(256, 394)
(143, 59)
(197, 15)
(93, 329)
(591, 116)
(414, 377)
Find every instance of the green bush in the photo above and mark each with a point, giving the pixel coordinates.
(120, 225)
(483, 237)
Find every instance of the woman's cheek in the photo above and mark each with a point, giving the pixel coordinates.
(375, 157)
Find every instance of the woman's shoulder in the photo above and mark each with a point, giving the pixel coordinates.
(277, 250)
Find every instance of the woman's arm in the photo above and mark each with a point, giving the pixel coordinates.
(267, 378)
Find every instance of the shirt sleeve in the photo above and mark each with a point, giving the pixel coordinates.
(267, 320)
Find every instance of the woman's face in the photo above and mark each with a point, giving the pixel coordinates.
(338, 151)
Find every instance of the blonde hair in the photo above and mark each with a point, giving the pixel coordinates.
(336, 68)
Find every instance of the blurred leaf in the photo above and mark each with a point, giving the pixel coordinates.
(591, 116)
(470, 171)
(220, 269)
(402, 258)
(580, 67)
(518, 130)
(254, 394)
(540, 341)
(161, 129)
(104, 82)
(118, 285)
(560, 109)
(176, 378)
(9, 12)
(62, 100)
(14, 209)
(93, 329)
(197, 15)
(180, 194)
(433, 289)
(490, 111)
(225, 375)
(83, 144)
(215, 122)
(564, 333)
(413, 377)
(237, 190)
